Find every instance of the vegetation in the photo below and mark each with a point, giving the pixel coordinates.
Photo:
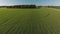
(29, 21)
(19, 6)
(57, 7)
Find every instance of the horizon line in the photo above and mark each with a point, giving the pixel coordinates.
(25, 4)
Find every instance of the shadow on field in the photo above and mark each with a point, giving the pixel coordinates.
(47, 15)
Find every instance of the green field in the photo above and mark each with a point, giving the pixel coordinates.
(29, 21)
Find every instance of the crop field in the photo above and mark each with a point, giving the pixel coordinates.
(29, 21)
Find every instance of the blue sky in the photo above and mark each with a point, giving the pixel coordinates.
(37, 2)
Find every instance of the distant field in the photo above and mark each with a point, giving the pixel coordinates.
(29, 21)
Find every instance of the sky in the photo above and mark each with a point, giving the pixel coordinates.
(36, 2)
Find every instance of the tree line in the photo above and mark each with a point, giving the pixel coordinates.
(19, 6)
(57, 7)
